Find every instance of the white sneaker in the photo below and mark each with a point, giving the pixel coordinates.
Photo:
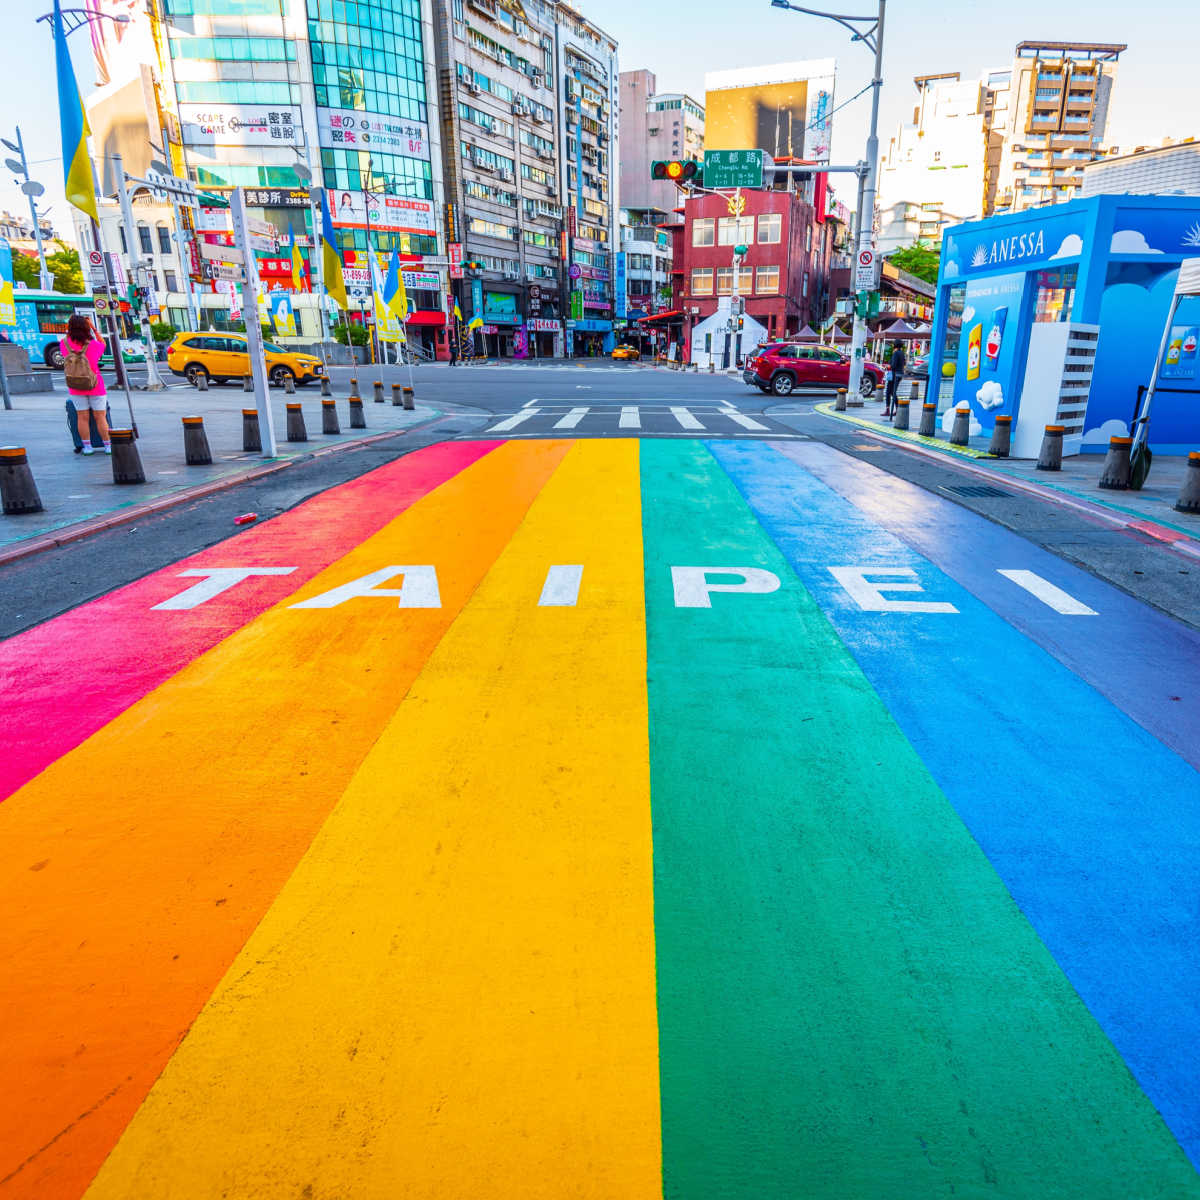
(108, 447)
(88, 448)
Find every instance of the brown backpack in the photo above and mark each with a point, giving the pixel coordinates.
(77, 371)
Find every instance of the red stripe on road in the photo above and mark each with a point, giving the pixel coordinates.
(116, 649)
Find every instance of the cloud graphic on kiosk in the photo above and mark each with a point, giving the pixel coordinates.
(990, 395)
(1130, 241)
(1100, 435)
(968, 314)
(974, 428)
(951, 271)
(1072, 247)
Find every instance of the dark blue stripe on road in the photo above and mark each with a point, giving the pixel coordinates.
(1092, 823)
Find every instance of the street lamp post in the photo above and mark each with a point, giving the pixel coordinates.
(32, 189)
(869, 31)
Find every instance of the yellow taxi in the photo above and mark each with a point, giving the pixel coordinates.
(627, 353)
(219, 356)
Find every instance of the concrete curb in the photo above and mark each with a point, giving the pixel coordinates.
(134, 512)
(901, 435)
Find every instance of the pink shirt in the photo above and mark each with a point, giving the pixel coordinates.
(94, 351)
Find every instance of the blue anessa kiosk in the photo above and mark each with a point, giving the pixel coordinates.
(1054, 316)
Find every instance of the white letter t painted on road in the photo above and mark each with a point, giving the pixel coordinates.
(214, 581)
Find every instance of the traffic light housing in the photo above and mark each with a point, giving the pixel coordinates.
(675, 170)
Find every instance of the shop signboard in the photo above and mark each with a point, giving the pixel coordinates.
(576, 305)
(351, 210)
(454, 255)
(8, 303)
(241, 125)
(994, 246)
(544, 325)
(273, 198)
(477, 297)
(342, 127)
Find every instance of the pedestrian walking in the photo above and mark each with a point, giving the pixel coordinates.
(82, 349)
(895, 373)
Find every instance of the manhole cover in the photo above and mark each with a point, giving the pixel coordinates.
(976, 490)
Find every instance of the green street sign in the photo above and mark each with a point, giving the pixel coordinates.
(734, 168)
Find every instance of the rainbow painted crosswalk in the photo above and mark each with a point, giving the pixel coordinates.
(608, 819)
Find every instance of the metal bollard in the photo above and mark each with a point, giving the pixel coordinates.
(251, 438)
(914, 392)
(379, 391)
(409, 398)
(289, 384)
(839, 405)
(17, 489)
(354, 387)
(295, 424)
(195, 443)
(202, 381)
(126, 461)
(247, 383)
(326, 390)
(928, 420)
(1050, 459)
(960, 435)
(358, 419)
(1189, 494)
(900, 420)
(329, 417)
(1116, 474)
(397, 399)
(1001, 442)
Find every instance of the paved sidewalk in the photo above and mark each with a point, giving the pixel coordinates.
(77, 488)
(1079, 477)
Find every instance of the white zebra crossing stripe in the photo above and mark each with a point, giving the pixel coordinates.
(631, 418)
(572, 418)
(744, 421)
(515, 420)
(685, 418)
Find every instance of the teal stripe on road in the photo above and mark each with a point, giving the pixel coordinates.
(850, 1005)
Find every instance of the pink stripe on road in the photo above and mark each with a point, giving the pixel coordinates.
(69, 677)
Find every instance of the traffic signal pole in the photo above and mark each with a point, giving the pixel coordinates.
(138, 269)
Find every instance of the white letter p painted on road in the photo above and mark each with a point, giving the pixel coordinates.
(419, 589)
(870, 598)
(692, 588)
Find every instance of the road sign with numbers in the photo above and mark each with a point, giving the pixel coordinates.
(734, 168)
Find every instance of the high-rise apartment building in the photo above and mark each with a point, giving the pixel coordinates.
(654, 127)
(1059, 98)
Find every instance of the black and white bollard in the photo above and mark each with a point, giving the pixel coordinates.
(960, 435)
(839, 405)
(397, 399)
(251, 438)
(295, 424)
(17, 489)
(900, 420)
(1001, 441)
(358, 419)
(329, 417)
(1117, 471)
(247, 383)
(289, 384)
(195, 443)
(1050, 459)
(202, 381)
(928, 420)
(326, 390)
(126, 461)
(1189, 494)
(379, 391)
(409, 398)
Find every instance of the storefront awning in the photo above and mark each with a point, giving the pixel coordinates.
(663, 316)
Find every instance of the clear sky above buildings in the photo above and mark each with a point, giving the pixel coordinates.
(1157, 95)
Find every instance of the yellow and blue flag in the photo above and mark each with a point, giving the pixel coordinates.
(77, 166)
(476, 322)
(299, 271)
(395, 294)
(457, 311)
(331, 260)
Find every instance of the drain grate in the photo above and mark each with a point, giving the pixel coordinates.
(976, 490)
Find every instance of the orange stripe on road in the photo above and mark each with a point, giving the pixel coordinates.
(133, 869)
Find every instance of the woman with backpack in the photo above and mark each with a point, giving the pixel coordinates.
(82, 350)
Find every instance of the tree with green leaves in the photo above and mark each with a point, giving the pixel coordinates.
(920, 259)
(63, 265)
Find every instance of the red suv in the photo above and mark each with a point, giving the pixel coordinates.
(782, 367)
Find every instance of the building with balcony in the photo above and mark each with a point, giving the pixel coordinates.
(654, 127)
(1060, 94)
(646, 246)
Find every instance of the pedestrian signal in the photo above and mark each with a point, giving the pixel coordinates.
(675, 169)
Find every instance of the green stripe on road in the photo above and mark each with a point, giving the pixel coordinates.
(850, 1004)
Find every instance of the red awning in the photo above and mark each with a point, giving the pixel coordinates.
(663, 316)
(426, 318)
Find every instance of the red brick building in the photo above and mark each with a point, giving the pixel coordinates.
(784, 278)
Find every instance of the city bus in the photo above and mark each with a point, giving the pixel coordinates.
(42, 321)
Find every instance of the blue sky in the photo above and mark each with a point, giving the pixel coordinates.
(1158, 89)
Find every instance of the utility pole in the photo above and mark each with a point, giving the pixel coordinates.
(137, 269)
(242, 239)
(32, 189)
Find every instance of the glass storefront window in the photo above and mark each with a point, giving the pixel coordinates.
(1055, 295)
(956, 302)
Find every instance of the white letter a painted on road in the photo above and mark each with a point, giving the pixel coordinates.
(418, 589)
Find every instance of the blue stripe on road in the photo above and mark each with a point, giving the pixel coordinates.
(1144, 661)
(1092, 823)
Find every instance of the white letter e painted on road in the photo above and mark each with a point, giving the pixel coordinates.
(692, 588)
(870, 598)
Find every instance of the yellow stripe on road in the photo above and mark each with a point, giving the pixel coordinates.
(454, 994)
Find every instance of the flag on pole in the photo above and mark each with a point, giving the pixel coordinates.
(77, 167)
(299, 272)
(395, 294)
(331, 260)
(457, 311)
(387, 328)
(476, 322)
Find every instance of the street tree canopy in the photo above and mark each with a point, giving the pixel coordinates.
(63, 265)
(920, 259)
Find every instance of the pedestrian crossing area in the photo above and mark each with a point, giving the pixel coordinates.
(640, 419)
